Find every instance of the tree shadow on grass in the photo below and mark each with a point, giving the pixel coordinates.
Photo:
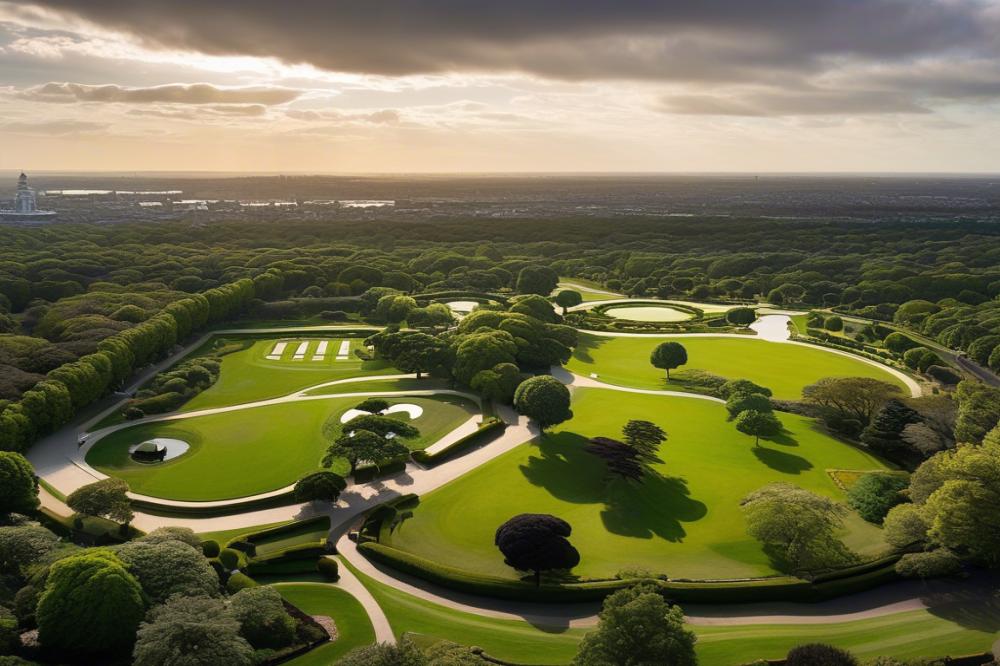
(786, 463)
(587, 344)
(784, 438)
(972, 604)
(654, 507)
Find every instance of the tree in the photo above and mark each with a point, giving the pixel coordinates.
(568, 298)
(264, 622)
(18, 484)
(373, 405)
(24, 545)
(621, 459)
(920, 358)
(364, 446)
(668, 356)
(796, 527)
(172, 533)
(403, 653)
(637, 627)
(727, 389)
(498, 383)
(818, 654)
(322, 486)
(107, 498)
(169, 568)
(874, 494)
(646, 438)
(544, 399)
(536, 542)
(978, 410)
(384, 426)
(741, 402)
(539, 280)
(90, 606)
(899, 343)
(741, 316)
(851, 397)
(885, 433)
(904, 526)
(420, 353)
(191, 631)
(758, 424)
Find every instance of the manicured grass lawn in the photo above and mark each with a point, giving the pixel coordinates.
(353, 626)
(654, 313)
(907, 635)
(685, 522)
(510, 640)
(425, 383)
(224, 536)
(248, 375)
(784, 368)
(303, 534)
(586, 287)
(255, 450)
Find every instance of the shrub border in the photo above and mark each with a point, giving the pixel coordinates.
(486, 428)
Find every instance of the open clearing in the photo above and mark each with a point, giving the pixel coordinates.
(652, 313)
(249, 375)
(255, 450)
(684, 522)
(353, 626)
(784, 368)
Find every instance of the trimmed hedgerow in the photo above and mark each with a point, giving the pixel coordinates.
(328, 567)
(486, 431)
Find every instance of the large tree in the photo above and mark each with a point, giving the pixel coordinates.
(420, 353)
(536, 542)
(544, 399)
(191, 631)
(851, 397)
(18, 484)
(638, 627)
(264, 622)
(539, 280)
(741, 316)
(668, 356)
(321, 486)
(91, 605)
(758, 424)
(497, 383)
(885, 433)
(169, 568)
(568, 298)
(740, 402)
(107, 498)
(364, 446)
(797, 528)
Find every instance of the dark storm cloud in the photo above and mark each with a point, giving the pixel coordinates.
(177, 93)
(702, 40)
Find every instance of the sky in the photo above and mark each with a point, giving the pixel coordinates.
(408, 86)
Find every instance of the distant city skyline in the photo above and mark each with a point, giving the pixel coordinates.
(879, 86)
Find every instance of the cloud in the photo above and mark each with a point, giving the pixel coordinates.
(177, 93)
(383, 117)
(53, 127)
(804, 103)
(724, 40)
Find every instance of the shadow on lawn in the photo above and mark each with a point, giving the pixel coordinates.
(786, 463)
(654, 507)
(972, 603)
(587, 344)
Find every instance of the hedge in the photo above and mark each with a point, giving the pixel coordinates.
(328, 567)
(781, 588)
(239, 581)
(196, 509)
(473, 439)
(280, 530)
(371, 472)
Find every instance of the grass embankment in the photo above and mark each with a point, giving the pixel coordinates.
(684, 522)
(249, 451)
(785, 369)
(354, 629)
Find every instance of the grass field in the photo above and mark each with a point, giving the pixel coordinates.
(950, 630)
(353, 627)
(510, 640)
(248, 375)
(685, 522)
(591, 291)
(250, 451)
(783, 368)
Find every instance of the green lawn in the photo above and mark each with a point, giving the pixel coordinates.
(685, 522)
(248, 375)
(353, 626)
(511, 640)
(586, 289)
(784, 368)
(250, 451)
(650, 313)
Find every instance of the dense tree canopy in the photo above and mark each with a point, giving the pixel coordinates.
(107, 498)
(544, 399)
(536, 542)
(668, 356)
(191, 631)
(18, 485)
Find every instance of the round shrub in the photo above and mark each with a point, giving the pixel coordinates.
(944, 375)
(932, 564)
(210, 548)
(18, 485)
(262, 617)
(239, 581)
(741, 402)
(875, 494)
(169, 568)
(329, 568)
(898, 343)
(230, 559)
(728, 388)
(833, 323)
(321, 486)
(182, 534)
(819, 654)
(920, 358)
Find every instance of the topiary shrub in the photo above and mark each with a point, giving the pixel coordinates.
(819, 654)
(944, 375)
(875, 494)
(833, 323)
(932, 564)
(329, 568)
(264, 622)
(239, 581)
(230, 559)
(210, 548)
